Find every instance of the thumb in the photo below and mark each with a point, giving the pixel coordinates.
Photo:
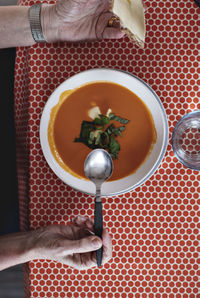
(87, 244)
(112, 33)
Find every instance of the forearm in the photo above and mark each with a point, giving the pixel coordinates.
(15, 27)
(16, 249)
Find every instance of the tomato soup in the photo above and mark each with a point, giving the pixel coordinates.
(66, 118)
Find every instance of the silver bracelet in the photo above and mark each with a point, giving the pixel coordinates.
(35, 22)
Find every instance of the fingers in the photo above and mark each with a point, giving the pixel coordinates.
(83, 245)
(83, 263)
(101, 23)
(87, 260)
(83, 222)
(107, 247)
(112, 33)
(104, 31)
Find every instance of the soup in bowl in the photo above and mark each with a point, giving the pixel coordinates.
(107, 109)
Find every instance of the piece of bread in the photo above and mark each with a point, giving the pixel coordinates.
(131, 14)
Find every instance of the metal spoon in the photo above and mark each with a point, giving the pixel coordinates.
(98, 168)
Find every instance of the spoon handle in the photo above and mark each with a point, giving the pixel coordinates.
(98, 228)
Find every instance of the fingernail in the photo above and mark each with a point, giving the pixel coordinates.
(96, 243)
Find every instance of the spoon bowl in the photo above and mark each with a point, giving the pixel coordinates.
(98, 166)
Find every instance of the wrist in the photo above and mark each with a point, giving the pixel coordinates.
(38, 246)
(25, 249)
(16, 249)
(49, 23)
(31, 250)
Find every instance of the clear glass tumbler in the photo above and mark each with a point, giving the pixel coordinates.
(186, 140)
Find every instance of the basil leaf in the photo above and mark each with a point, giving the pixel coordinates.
(111, 129)
(114, 148)
(78, 140)
(104, 140)
(102, 120)
(118, 118)
(119, 130)
(98, 138)
(86, 128)
(91, 138)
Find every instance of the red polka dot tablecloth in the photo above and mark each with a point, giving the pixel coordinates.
(156, 228)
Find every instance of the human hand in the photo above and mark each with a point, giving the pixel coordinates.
(77, 20)
(74, 245)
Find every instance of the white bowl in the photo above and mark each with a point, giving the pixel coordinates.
(146, 94)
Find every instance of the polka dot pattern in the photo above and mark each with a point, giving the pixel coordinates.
(190, 141)
(155, 228)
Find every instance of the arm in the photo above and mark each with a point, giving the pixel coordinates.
(15, 27)
(73, 245)
(52, 242)
(15, 249)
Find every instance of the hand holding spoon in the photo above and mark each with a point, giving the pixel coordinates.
(98, 168)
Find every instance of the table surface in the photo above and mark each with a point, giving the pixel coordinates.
(155, 228)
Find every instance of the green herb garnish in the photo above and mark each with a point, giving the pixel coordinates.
(102, 120)
(101, 133)
(117, 118)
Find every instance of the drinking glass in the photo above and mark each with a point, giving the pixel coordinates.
(186, 140)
